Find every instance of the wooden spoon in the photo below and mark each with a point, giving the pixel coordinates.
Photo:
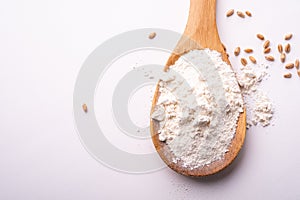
(201, 28)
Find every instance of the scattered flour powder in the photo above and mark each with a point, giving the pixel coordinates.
(198, 108)
(259, 107)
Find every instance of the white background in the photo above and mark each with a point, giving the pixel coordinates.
(42, 46)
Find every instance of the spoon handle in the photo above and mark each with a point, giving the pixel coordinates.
(201, 26)
(200, 32)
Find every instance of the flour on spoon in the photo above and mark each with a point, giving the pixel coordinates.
(198, 108)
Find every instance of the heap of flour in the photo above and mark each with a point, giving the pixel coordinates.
(198, 108)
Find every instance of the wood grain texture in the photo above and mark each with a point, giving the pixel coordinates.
(200, 32)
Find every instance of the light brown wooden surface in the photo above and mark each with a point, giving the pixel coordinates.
(200, 32)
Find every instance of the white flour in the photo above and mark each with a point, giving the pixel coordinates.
(263, 110)
(198, 108)
(259, 107)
